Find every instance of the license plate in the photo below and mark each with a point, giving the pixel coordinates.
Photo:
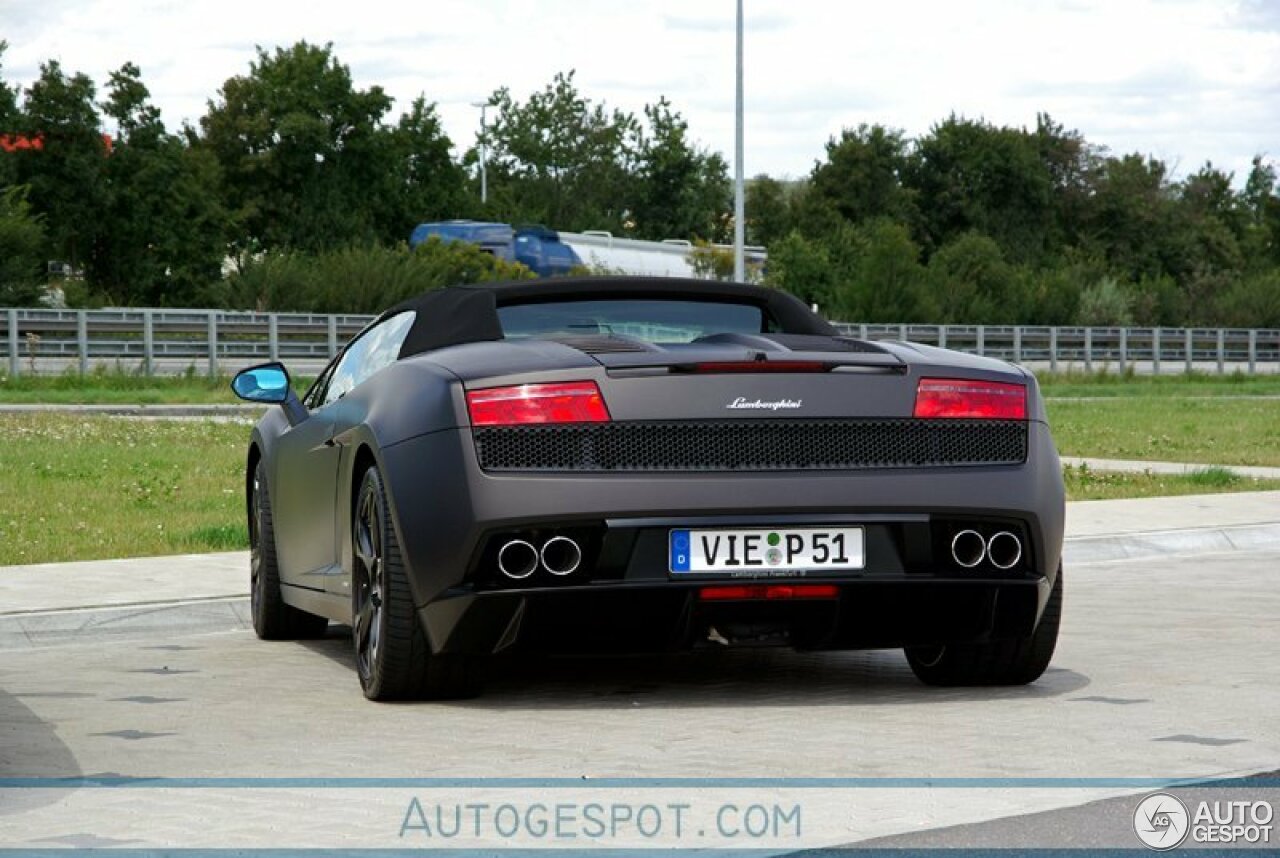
(764, 550)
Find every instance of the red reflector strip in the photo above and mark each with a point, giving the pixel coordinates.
(738, 592)
(968, 399)
(566, 402)
(760, 366)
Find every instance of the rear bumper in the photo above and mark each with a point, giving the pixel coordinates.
(448, 511)
(655, 618)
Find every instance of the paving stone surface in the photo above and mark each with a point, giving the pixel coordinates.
(1166, 668)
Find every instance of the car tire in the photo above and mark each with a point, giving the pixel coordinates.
(1016, 661)
(273, 619)
(393, 658)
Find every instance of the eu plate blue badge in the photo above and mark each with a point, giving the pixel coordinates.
(679, 545)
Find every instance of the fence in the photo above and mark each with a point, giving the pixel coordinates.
(214, 341)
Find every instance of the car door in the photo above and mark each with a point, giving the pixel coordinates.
(377, 348)
(304, 491)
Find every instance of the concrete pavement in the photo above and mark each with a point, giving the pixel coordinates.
(1165, 670)
(51, 603)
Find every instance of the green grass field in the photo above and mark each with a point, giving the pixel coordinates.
(82, 488)
(1083, 483)
(1098, 384)
(1211, 431)
(106, 386)
(78, 488)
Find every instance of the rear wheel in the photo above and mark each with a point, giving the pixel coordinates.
(393, 658)
(1016, 661)
(272, 618)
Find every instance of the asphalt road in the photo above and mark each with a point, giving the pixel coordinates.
(1166, 668)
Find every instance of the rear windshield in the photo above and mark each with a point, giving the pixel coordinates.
(656, 321)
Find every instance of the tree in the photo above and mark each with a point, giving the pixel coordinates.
(10, 118)
(768, 210)
(1262, 238)
(22, 244)
(862, 175)
(1132, 208)
(1071, 164)
(973, 283)
(887, 283)
(164, 231)
(65, 174)
(560, 160)
(973, 176)
(300, 147)
(424, 182)
(682, 191)
(803, 267)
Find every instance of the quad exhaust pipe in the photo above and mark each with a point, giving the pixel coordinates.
(1003, 549)
(968, 548)
(559, 555)
(517, 559)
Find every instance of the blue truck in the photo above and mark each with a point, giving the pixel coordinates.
(547, 252)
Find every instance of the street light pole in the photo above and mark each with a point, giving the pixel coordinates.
(484, 153)
(739, 204)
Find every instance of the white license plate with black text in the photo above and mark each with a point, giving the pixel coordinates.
(766, 550)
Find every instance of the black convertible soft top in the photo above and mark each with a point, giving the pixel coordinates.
(469, 314)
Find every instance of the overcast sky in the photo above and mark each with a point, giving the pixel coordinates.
(1186, 80)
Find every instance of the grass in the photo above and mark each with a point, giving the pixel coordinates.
(110, 386)
(1084, 483)
(1129, 384)
(84, 488)
(1211, 431)
(80, 488)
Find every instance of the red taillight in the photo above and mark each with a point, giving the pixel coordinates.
(966, 398)
(753, 366)
(737, 592)
(567, 402)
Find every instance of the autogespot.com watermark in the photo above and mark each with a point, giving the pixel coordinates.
(669, 822)
(1164, 821)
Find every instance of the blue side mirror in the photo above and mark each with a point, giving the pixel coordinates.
(266, 383)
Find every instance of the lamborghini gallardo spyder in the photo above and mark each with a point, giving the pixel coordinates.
(644, 464)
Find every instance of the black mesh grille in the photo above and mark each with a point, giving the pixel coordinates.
(752, 445)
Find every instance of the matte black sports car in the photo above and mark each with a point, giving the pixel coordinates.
(650, 464)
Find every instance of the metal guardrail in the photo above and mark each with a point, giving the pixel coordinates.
(217, 340)
(1155, 350)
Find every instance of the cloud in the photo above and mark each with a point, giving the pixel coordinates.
(751, 23)
(1185, 79)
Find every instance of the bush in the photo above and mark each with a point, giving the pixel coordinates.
(804, 268)
(974, 284)
(1105, 303)
(361, 279)
(1253, 302)
(886, 281)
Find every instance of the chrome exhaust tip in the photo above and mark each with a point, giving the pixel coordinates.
(1004, 550)
(517, 559)
(561, 555)
(968, 548)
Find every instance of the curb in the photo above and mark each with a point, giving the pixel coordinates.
(1148, 544)
(1132, 466)
(50, 628)
(232, 613)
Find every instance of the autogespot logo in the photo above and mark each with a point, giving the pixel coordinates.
(1161, 821)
